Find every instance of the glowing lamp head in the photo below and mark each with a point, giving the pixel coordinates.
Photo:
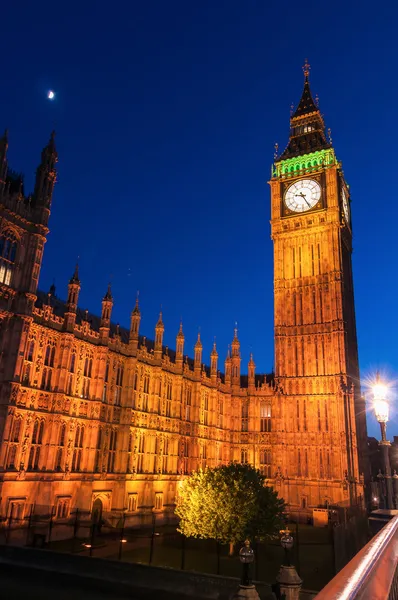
(379, 391)
(246, 554)
(381, 410)
(51, 95)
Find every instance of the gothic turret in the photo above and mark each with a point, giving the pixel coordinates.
(198, 355)
(3, 161)
(307, 129)
(45, 179)
(135, 325)
(228, 367)
(213, 363)
(235, 360)
(180, 347)
(73, 298)
(251, 372)
(107, 304)
(159, 331)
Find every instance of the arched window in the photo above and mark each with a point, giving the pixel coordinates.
(35, 432)
(265, 416)
(62, 435)
(112, 451)
(26, 374)
(47, 357)
(72, 363)
(40, 435)
(12, 452)
(52, 356)
(37, 439)
(31, 349)
(16, 430)
(8, 249)
(69, 385)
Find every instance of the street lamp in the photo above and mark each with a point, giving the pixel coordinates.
(246, 557)
(246, 588)
(381, 409)
(287, 544)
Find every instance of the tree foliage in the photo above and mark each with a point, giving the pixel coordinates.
(229, 503)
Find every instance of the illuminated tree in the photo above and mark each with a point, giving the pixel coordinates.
(230, 504)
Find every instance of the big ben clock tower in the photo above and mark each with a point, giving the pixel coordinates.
(320, 424)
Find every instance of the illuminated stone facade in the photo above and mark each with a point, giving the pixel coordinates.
(95, 415)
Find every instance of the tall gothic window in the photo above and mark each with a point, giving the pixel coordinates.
(97, 466)
(130, 454)
(145, 390)
(26, 374)
(106, 381)
(265, 416)
(206, 409)
(35, 448)
(221, 414)
(87, 372)
(30, 352)
(46, 379)
(50, 355)
(14, 438)
(119, 383)
(245, 416)
(188, 403)
(78, 450)
(61, 447)
(112, 451)
(140, 453)
(8, 251)
(265, 462)
(168, 398)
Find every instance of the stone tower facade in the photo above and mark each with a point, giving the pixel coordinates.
(97, 417)
(321, 415)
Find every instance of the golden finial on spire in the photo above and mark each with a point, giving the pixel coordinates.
(317, 100)
(291, 109)
(276, 148)
(306, 69)
(330, 135)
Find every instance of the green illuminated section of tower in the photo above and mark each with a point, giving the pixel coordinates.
(306, 163)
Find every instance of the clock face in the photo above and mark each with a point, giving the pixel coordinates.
(346, 208)
(302, 195)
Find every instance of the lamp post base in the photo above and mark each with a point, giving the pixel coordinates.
(290, 582)
(246, 592)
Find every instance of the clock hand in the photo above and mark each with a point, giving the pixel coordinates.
(303, 196)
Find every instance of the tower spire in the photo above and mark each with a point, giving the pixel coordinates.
(107, 304)
(180, 347)
(306, 69)
(46, 177)
(135, 325)
(307, 129)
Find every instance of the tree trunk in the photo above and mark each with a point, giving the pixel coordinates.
(231, 548)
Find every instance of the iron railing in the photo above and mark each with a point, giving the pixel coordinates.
(372, 574)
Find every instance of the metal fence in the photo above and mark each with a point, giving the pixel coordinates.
(152, 538)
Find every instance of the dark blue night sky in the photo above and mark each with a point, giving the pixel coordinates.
(166, 116)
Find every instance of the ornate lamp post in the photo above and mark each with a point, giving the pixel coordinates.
(246, 590)
(287, 544)
(381, 409)
(287, 578)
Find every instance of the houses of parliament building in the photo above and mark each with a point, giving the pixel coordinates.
(96, 416)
